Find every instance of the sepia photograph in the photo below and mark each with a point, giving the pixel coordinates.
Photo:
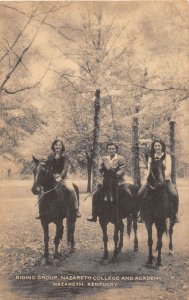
(94, 150)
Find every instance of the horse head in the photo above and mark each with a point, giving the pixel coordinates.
(156, 178)
(42, 176)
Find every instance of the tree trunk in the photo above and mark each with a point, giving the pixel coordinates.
(96, 137)
(89, 170)
(172, 150)
(135, 151)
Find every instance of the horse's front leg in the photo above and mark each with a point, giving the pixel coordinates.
(105, 238)
(58, 237)
(170, 237)
(70, 223)
(121, 230)
(116, 238)
(45, 226)
(160, 231)
(135, 226)
(150, 242)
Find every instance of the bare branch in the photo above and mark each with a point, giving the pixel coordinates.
(17, 63)
(15, 55)
(17, 38)
(158, 90)
(76, 62)
(53, 9)
(8, 76)
(26, 87)
(67, 75)
(39, 21)
(66, 78)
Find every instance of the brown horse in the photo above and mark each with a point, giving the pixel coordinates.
(113, 205)
(157, 209)
(55, 204)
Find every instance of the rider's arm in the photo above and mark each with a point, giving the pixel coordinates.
(149, 165)
(121, 167)
(65, 167)
(168, 166)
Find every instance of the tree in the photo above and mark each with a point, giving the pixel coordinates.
(95, 52)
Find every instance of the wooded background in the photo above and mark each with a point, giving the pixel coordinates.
(91, 72)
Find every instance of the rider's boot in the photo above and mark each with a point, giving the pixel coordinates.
(78, 214)
(176, 218)
(92, 218)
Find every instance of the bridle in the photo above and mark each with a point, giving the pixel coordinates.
(153, 176)
(41, 187)
(152, 187)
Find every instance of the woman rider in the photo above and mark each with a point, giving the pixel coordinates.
(114, 163)
(158, 151)
(58, 163)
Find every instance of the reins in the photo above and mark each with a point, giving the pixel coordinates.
(44, 193)
(152, 187)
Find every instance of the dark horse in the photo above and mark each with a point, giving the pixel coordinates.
(55, 204)
(114, 205)
(157, 209)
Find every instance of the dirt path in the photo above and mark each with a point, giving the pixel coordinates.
(23, 277)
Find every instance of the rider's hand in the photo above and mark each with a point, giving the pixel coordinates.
(57, 177)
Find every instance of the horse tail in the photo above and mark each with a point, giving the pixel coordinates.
(129, 225)
(76, 190)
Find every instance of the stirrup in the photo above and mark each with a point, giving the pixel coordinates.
(78, 215)
(176, 219)
(92, 219)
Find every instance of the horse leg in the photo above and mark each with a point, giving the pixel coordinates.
(150, 242)
(121, 230)
(170, 238)
(58, 237)
(160, 231)
(135, 226)
(105, 238)
(45, 226)
(116, 238)
(70, 223)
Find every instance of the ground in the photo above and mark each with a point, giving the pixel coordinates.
(23, 276)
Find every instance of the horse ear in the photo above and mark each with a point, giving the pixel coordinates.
(35, 160)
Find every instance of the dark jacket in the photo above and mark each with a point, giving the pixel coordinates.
(60, 165)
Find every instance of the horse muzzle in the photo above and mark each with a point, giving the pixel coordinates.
(36, 190)
(159, 185)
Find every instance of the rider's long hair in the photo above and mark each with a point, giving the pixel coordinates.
(54, 143)
(152, 152)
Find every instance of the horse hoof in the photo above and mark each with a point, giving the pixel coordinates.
(136, 249)
(72, 250)
(159, 267)
(171, 252)
(149, 264)
(113, 260)
(57, 255)
(55, 262)
(104, 261)
(44, 261)
(104, 258)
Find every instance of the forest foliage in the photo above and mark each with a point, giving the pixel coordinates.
(56, 55)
